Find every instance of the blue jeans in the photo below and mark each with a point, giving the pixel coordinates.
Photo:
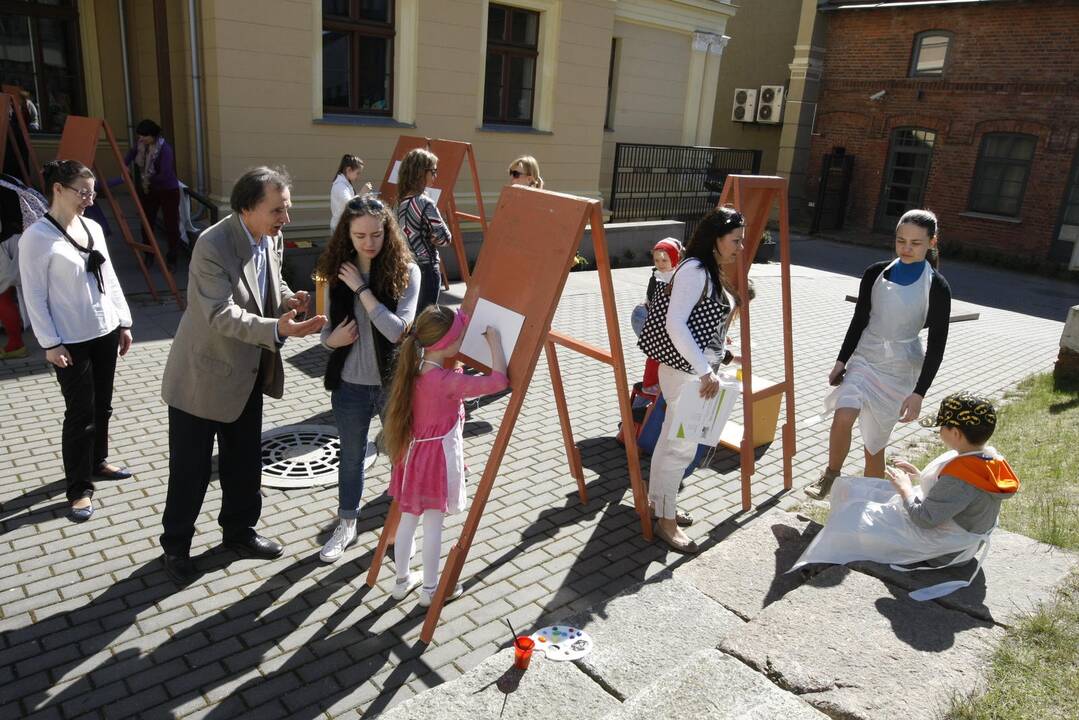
(353, 407)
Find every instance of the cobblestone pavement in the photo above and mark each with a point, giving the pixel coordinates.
(90, 626)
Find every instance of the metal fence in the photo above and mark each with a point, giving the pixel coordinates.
(673, 182)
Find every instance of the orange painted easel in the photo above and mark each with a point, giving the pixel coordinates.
(11, 106)
(754, 197)
(451, 157)
(79, 142)
(541, 231)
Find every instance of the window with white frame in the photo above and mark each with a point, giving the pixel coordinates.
(930, 55)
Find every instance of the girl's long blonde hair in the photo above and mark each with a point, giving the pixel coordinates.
(530, 167)
(412, 175)
(432, 324)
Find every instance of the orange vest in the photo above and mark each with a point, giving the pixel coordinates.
(983, 472)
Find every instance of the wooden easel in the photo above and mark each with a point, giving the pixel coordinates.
(11, 106)
(79, 142)
(754, 196)
(542, 231)
(451, 156)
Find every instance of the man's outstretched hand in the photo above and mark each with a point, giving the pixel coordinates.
(288, 327)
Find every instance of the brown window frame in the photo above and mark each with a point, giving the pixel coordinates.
(506, 48)
(358, 28)
(34, 12)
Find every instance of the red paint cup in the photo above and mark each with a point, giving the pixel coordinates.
(522, 652)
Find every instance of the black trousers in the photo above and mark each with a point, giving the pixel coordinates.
(87, 389)
(239, 469)
(430, 286)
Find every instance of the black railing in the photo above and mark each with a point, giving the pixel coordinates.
(673, 182)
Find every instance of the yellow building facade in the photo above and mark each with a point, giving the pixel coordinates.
(298, 83)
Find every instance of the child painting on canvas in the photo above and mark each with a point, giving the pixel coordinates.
(423, 434)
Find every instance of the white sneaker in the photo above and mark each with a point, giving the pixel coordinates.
(404, 587)
(427, 597)
(343, 536)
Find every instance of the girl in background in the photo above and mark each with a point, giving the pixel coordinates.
(421, 222)
(424, 422)
(343, 188)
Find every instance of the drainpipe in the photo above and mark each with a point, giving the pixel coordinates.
(196, 92)
(127, 77)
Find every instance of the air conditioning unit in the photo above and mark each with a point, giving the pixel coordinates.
(770, 107)
(745, 105)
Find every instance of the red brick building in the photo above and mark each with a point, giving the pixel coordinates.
(968, 108)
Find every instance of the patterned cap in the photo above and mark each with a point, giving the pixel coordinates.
(963, 409)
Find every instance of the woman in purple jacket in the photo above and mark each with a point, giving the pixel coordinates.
(154, 166)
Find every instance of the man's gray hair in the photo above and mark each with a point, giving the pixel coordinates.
(251, 187)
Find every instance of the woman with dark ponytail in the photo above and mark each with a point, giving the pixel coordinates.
(691, 347)
(81, 319)
(372, 291)
(882, 374)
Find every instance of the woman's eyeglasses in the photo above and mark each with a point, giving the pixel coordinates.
(365, 202)
(83, 193)
(515, 174)
(434, 172)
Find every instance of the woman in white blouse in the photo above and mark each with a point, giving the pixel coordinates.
(81, 319)
(702, 301)
(343, 188)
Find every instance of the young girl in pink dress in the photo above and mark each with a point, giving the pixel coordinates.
(423, 435)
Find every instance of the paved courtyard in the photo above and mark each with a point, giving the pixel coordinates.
(90, 626)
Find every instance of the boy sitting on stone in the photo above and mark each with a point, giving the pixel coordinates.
(973, 481)
(951, 513)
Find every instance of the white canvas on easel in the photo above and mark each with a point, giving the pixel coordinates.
(393, 172)
(487, 314)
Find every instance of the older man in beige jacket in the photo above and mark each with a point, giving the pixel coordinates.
(224, 358)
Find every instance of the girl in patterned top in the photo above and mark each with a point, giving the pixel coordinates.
(420, 221)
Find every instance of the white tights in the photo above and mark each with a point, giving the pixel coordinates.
(432, 546)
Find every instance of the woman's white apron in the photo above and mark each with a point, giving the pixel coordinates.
(884, 368)
(869, 522)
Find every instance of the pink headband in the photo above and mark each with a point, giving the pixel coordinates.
(460, 320)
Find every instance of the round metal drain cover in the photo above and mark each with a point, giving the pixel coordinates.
(300, 456)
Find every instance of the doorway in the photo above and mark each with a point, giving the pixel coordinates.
(906, 175)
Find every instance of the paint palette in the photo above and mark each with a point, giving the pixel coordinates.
(562, 642)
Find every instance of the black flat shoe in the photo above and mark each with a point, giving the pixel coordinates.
(121, 474)
(181, 569)
(256, 546)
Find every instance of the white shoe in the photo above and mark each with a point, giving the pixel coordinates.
(343, 536)
(426, 598)
(403, 588)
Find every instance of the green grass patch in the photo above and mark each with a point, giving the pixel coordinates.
(1035, 671)
(1038, 431)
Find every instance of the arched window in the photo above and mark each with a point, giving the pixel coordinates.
(930, 55)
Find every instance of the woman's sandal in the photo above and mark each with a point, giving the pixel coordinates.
(117, 474)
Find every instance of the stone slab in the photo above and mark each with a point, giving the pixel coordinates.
(746, 571)
(649, 629)
(1018, 574)
(855, 647)
(715, 686)
(494, 689)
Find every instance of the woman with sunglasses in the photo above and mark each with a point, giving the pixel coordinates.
(81, 319)
(420, 221)
(525, 171)
(372, 291)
